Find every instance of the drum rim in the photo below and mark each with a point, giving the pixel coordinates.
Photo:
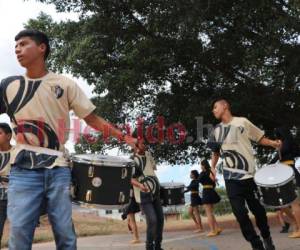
(275, 207)
(98, 206)
(181, 185)
(124, 163)
(275, 185)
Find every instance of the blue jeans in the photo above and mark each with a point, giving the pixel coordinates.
(26, 191)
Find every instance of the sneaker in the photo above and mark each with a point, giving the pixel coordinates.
(135, 241)
(285, 228)
(219, 230)
(257, 244)
(212, 234)
(268, 243)
(259, 248)
(295, 235)
(157, 246)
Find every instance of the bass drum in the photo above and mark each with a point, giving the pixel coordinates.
(172, 193)
(101, 180)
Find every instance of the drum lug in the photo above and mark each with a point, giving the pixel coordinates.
(278, 191)
(261, 200)
(121, 198)
(259, 193)
(280, 201)
(88, 195)
(169, 201)
(91, 171)
(124, 173)
(73, 191)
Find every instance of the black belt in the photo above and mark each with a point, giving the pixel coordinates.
(4, 178)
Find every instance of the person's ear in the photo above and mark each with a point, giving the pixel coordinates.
(43, 48)
(9, 137)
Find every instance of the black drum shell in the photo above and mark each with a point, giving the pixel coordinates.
(172, 196)
(112, 183)
(278, 196)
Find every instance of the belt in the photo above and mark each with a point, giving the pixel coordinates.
(288, 162)
(194, 192)
(4, 178)
(207, 186)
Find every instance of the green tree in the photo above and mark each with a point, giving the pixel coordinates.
(171, 58)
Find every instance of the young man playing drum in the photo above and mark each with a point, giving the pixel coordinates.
(231, 140)
(147, 193)
(5, 155)
(39, 103)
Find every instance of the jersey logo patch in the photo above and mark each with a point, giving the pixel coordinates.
(58, 91)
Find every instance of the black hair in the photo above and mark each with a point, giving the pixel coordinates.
(206, 165)
(5, 127)
(283, 133)
(37, 36)
(218, 99)
(195, 173)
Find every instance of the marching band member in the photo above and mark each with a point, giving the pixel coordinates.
(209, 197)
(231, 140)
(39, 103)
(289, 150)
(195, 200)
(5, 156)
(147, 193)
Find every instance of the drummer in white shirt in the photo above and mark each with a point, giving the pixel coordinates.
(231, 140)
(147, 193)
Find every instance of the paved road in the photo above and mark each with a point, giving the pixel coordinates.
(181, 240)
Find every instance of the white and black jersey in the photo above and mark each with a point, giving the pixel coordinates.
(233, 142)
(144, 173)
(5, 158)
(41, 108)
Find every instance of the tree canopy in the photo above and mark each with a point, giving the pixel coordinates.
(171, 58)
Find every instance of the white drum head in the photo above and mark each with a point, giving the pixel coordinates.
(169, 185)
(273, 175)
(101, 160)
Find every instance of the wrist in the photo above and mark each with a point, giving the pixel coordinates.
(129, 139)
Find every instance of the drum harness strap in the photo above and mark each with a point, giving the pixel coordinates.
(12, 115)
(141, 167)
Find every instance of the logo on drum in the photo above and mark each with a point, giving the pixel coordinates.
(96, 182)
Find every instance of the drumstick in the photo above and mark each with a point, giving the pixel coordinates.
(279, 154)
